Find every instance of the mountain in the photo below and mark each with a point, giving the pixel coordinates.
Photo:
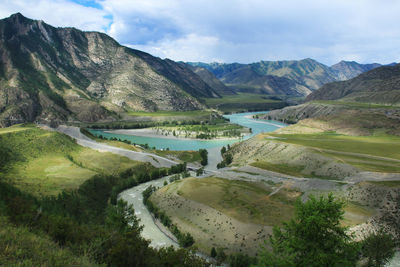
(58, 74)
(379, 86)
(211, 80)
(292, 77)
(346, 70)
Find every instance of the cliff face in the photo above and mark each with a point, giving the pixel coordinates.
(57, 74)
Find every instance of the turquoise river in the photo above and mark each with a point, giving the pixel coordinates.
(244, 119)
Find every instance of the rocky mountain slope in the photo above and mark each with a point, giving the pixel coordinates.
(211, 80)
(346, 70)
(381, 85)
(293, 78)
(52, 74)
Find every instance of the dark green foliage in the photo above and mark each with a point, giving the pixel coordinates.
(221, 256)
(223, 150)
(204, 156)
(228, 158)
(213, 252)
(200, 171)
(314, 237)
(20, 207)
(180, 257)
(377, 249)
(222, 164)
(5, 155)
(84, 221)
(122, 217)
(241, 260)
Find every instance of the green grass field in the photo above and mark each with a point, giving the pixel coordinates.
(354, 104)
(371, 153)
(46, 162)
(244, 102)
(245, 201)
(280, 168)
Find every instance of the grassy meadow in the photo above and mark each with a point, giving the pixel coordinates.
(379, 153)
(44, 162)
(245, 201)
(244, 102)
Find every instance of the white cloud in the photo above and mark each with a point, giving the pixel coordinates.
(191, 47)
(61, 13)
(252, 30)
(236, 30)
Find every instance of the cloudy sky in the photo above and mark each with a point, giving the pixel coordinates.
(234, 30)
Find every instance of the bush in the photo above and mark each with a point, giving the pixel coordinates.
(204, 157)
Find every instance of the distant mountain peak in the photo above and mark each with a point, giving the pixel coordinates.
(18, 17)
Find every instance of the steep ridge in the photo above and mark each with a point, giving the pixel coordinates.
(50, 74)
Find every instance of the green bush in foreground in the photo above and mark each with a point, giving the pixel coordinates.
(81, 227)
(315, 237)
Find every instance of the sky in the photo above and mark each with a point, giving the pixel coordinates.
(228, 31)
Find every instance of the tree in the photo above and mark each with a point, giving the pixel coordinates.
(314, 237)
(241, 260)
(221, 256)
(228, 159)
(223, 150)
(213, 253)
(200, 171)
(204, 156)
(122, 217)
(377, 249)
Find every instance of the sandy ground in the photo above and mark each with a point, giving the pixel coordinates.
(150, 132)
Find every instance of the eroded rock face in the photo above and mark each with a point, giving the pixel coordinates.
(66, 74)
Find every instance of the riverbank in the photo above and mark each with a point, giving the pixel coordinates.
(154, 133)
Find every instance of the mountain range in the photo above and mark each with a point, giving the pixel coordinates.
(292, 78)
(50, 74)
(58, 74)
